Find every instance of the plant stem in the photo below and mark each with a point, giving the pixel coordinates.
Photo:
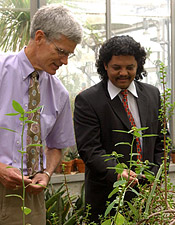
(156, 214)
(126, 185)
(70, 202)
(164, 133)
(153, 190)
(22, 168)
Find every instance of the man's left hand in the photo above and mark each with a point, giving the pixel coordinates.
(39, 183)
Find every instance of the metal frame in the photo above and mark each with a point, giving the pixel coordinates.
(108, 19)
(35, 5)
(172, 63)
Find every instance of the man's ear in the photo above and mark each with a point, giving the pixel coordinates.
(39, 36)
(105, 66)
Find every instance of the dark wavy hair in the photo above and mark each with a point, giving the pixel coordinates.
(121, 45)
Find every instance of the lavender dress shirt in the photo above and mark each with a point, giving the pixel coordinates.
(56, 117)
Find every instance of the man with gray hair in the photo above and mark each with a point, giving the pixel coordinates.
(26, 77)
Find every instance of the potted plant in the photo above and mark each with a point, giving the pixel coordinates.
(71, 155)
(80, 165)
(67, 165)
(68, 158)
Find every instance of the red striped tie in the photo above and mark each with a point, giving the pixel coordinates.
(131, 119)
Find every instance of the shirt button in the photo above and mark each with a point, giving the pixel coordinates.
(26, 105)
(21, 123)
(17, 142)
(14, 161)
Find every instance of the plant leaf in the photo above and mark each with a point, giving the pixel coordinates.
(17, 107)
(14, 195)
(142, 128)
(121, 131)
(119, 182)
(34, 110)
(120, 219)
(120, 167)
(123, 143)
(149, 135)
(107, 222)
(30, 121)
(26, 210)
(114, 191)
(12, 114)
(8, 129)
(22, 152)
(23, 118)
(137, 134)
(32, 145)
(133, 209)
(133, 190)
(109, 208)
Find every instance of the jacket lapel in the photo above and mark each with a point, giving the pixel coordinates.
(142, 103)
(119, 110)
(117, 107)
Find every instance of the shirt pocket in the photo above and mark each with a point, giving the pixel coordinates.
(47, 123)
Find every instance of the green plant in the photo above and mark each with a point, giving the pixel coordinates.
(15, 24)
(70, 156)
(71, 153)
(24, 119)
(63, 209)
(122, 185)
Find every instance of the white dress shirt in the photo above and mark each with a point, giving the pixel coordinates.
(132, 95)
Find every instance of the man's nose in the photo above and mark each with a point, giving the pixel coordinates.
(64, 60)
(123, 71)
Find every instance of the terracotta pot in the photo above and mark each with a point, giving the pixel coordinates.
(80, 165)
(173, 157)
(73, 165)
(68, 166)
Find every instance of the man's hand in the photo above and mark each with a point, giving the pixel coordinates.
(39, 183)
(132, 179)
(11, 177)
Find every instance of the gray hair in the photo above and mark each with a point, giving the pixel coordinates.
(56, 20)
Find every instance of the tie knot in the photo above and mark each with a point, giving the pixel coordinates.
(34, 74)
(124, 92)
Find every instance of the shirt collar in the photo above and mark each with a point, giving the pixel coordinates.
(114, 91)
(26, 65)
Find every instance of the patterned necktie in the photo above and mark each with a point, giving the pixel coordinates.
(131, 119)
(34, 153)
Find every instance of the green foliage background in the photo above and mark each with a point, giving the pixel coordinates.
(15, 24)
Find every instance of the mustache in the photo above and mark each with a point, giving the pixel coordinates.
(123, 77)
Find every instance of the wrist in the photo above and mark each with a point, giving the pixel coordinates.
(42, 172)
(47, 173)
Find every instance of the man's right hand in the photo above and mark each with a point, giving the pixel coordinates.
(132, 178)
(11, 177)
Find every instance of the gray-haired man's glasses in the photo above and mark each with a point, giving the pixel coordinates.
(62, 52)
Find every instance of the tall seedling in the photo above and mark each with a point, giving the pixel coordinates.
(24, 119)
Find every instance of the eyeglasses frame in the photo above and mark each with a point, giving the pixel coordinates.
(62, 52)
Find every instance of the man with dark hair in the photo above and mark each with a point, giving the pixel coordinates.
(28, 78)
(101, 109)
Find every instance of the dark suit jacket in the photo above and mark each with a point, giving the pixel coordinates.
(95, 118)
